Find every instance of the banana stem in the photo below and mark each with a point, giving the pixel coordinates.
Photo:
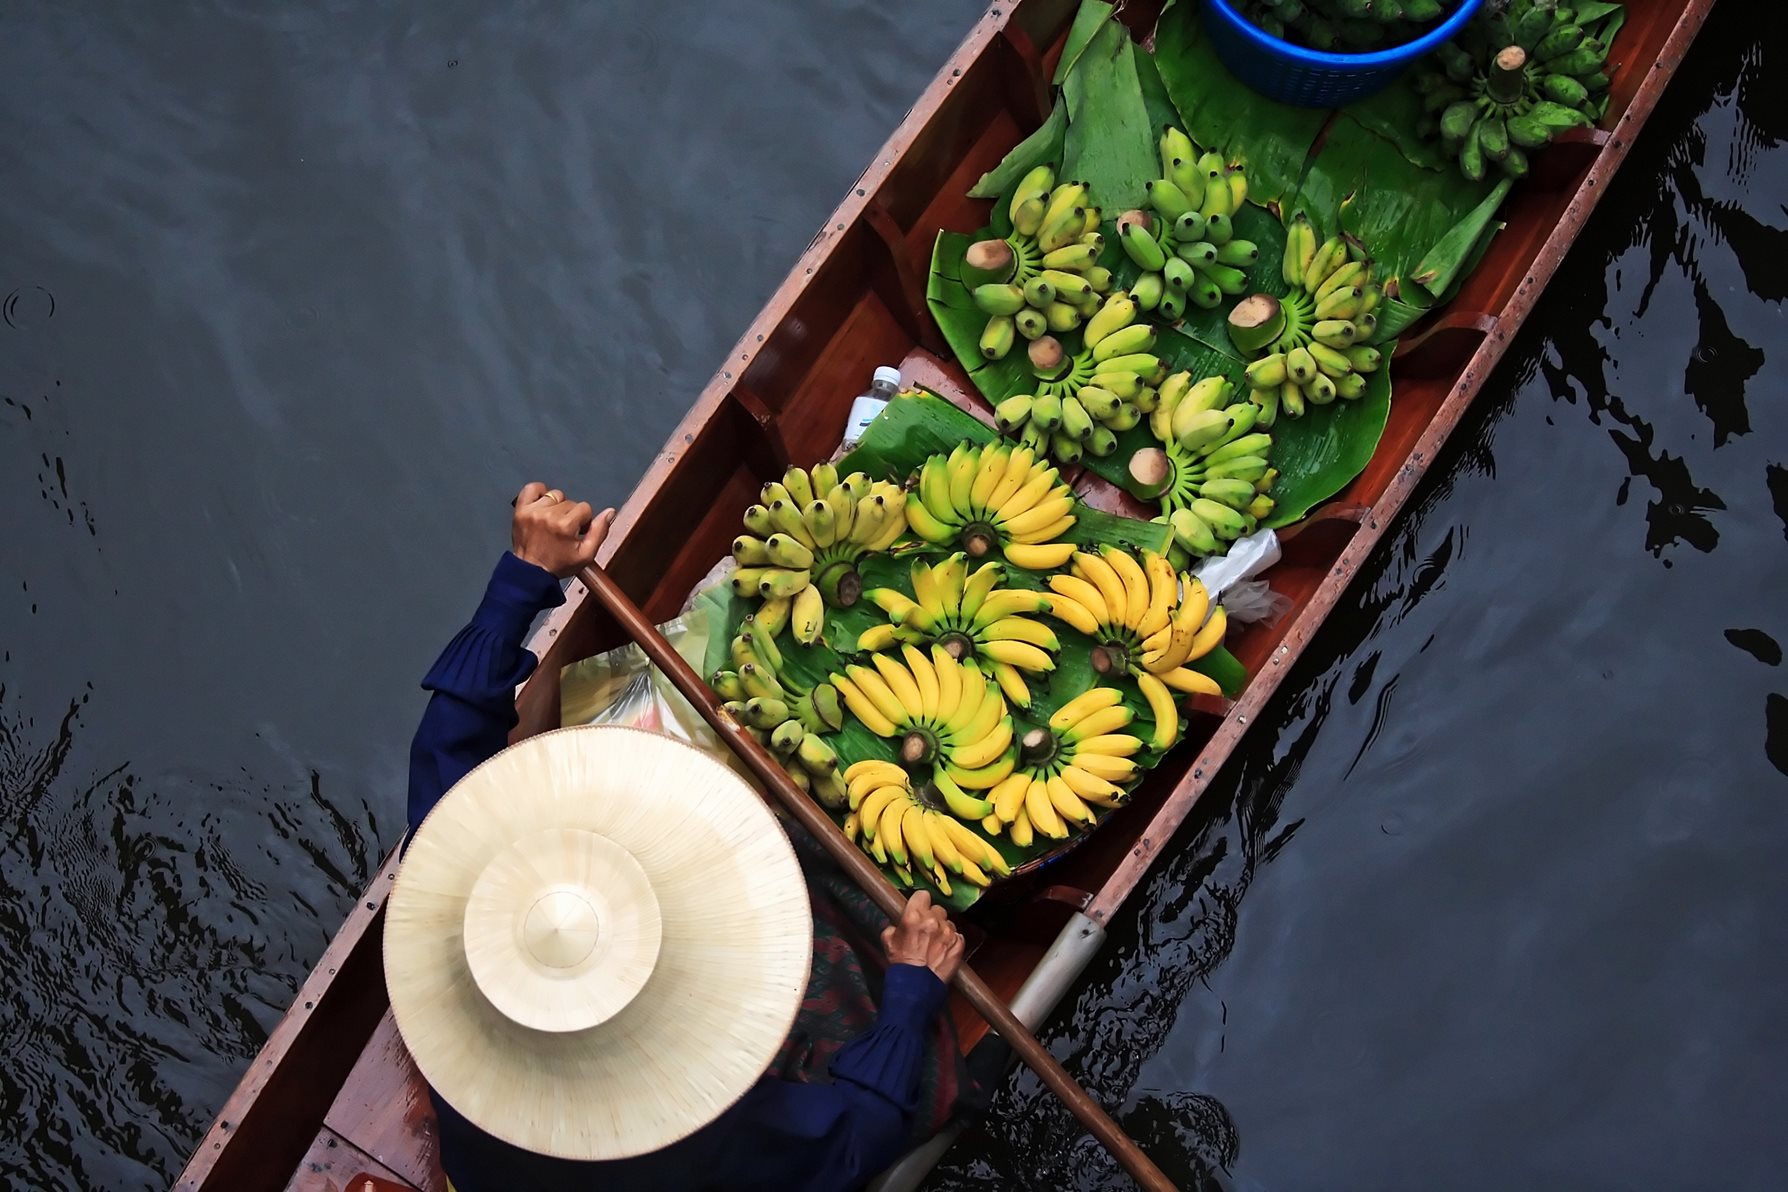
(1508, 75)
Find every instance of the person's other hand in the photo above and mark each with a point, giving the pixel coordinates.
(554, 534)
(926, 937)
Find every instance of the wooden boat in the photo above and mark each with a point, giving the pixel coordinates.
(334, 1094)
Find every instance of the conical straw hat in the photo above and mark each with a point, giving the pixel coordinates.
(597, 942)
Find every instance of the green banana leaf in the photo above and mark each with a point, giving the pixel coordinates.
(1319, 454)
(1089, 19)
(1042, 147)
(1444, 266)
(1109, 144)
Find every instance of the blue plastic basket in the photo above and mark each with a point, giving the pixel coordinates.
(1314, 78)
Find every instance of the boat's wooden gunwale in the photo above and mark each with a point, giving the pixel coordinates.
(854, 298)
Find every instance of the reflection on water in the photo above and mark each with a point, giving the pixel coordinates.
(1512, 859)
(292, 300)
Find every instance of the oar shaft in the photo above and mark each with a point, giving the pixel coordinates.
(818, 824)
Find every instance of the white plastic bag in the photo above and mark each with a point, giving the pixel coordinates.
(1230, 578)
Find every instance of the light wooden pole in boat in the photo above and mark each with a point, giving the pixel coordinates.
(775, 779)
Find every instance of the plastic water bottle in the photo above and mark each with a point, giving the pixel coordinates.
(863, 411)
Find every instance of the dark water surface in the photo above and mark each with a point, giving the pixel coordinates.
(299, 296)
(294, 301)
(1503, 901)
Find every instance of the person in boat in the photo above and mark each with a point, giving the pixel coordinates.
(608, 1078)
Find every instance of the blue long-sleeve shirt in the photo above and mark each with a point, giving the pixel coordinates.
(780, 1134)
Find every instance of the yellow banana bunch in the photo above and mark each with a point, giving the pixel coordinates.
(995, 497)
(1148, 624)
(902, 827)
(1208, 470)
(804, 539)
(970, 616)
(947, 714)
(1069, 770)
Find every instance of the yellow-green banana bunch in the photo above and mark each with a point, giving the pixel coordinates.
(1148, 624)
(1106, 389)
(971, 617)
(1314, 339)
(1511, 82)
(1045, 278)
(804, 539)
(1078, 763)
(951, 720)
(1211, 452)
(905, 829)
(783, 716)
(998, 497)
(1185, 244)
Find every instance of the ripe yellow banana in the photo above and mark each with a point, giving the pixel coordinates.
(1042, 812)
(1078, 590)
(1039, 557)
(1022, 655)
(1022, 629)
(1092, 788)
(985, 750)
(949, 681)
(991, 468)
(1096, 724)
(1106, 766)
(1111, 589)
(863, 708)
(905, 688)
(1162, 706)
(1019, 462)
(876, 689)
(1164, 590)
(1012, 683)
(1025, 499)
(1136, 584)
(1191, 682)
(1211, 636)
(1067, 804)
(925, 679)
(1108, 745)
(1092, 700)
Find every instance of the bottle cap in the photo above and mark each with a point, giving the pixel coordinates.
(887, 375)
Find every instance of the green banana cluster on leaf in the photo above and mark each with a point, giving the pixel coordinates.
(1185, 244)
(1210, 473)
(1105, 390)
(804, 540)
(786, 718)
(1044, 279)
(1510, 83)
(1345, 26)
(1313, 340)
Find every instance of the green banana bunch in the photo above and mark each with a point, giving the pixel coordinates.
(803, 542)
(1512, 82)
(1345, 26)
(1185, 243)
(790, 720)
(1043, 277)
(1212, 450)
(1312, 342)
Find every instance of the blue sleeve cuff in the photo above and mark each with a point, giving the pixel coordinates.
(911, 997)
(517, 593)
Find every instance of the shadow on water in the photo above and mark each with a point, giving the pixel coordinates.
(292, 300)
(1512, 860)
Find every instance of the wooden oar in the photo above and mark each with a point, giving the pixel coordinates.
(770, 772)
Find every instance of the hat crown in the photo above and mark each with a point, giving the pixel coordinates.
(561, 928)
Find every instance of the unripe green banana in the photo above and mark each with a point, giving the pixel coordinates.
(1030, 323)
(1193, 532)
(1210, 393)
(827, 706)
(1320, 389)
(1335, 333)
(1168, 199)
(1036, 183)
(1230, 280)
(1027, 217)
(1102, 404)
(1204, 292)
(1268, 372)
(1231, 492)
(1076, 422)
(1065, 448)
(1061, 317)
(1364, 357)
(1218, 229)
(726, 685)
(786, 552)
(1141, 364)
(1350, 386)
(765, 713)
(1146, 291)
(1299, 365)
(1179, 275)
(1258, 443)
(997, 300)
(787, 737)
(1238, 254)
(1172, 306)
(1063, 230)
(783, 581)
(760, 683)
(822, 523)
(1076, 258)
(1196, 253)
(997, 337)
(1223, 521)
(1013, 413)
(1192, 428)
(1125, 417)
(757, 520)
(1046, 411)
(1266, 401)
(1101, 279)
(1066, 284)
(749, 551)
(1125, 385)
(1143, 249)
(817, 756)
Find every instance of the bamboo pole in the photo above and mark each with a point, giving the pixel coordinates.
(775, 779)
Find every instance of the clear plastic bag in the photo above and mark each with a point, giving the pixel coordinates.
(1229, 578)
